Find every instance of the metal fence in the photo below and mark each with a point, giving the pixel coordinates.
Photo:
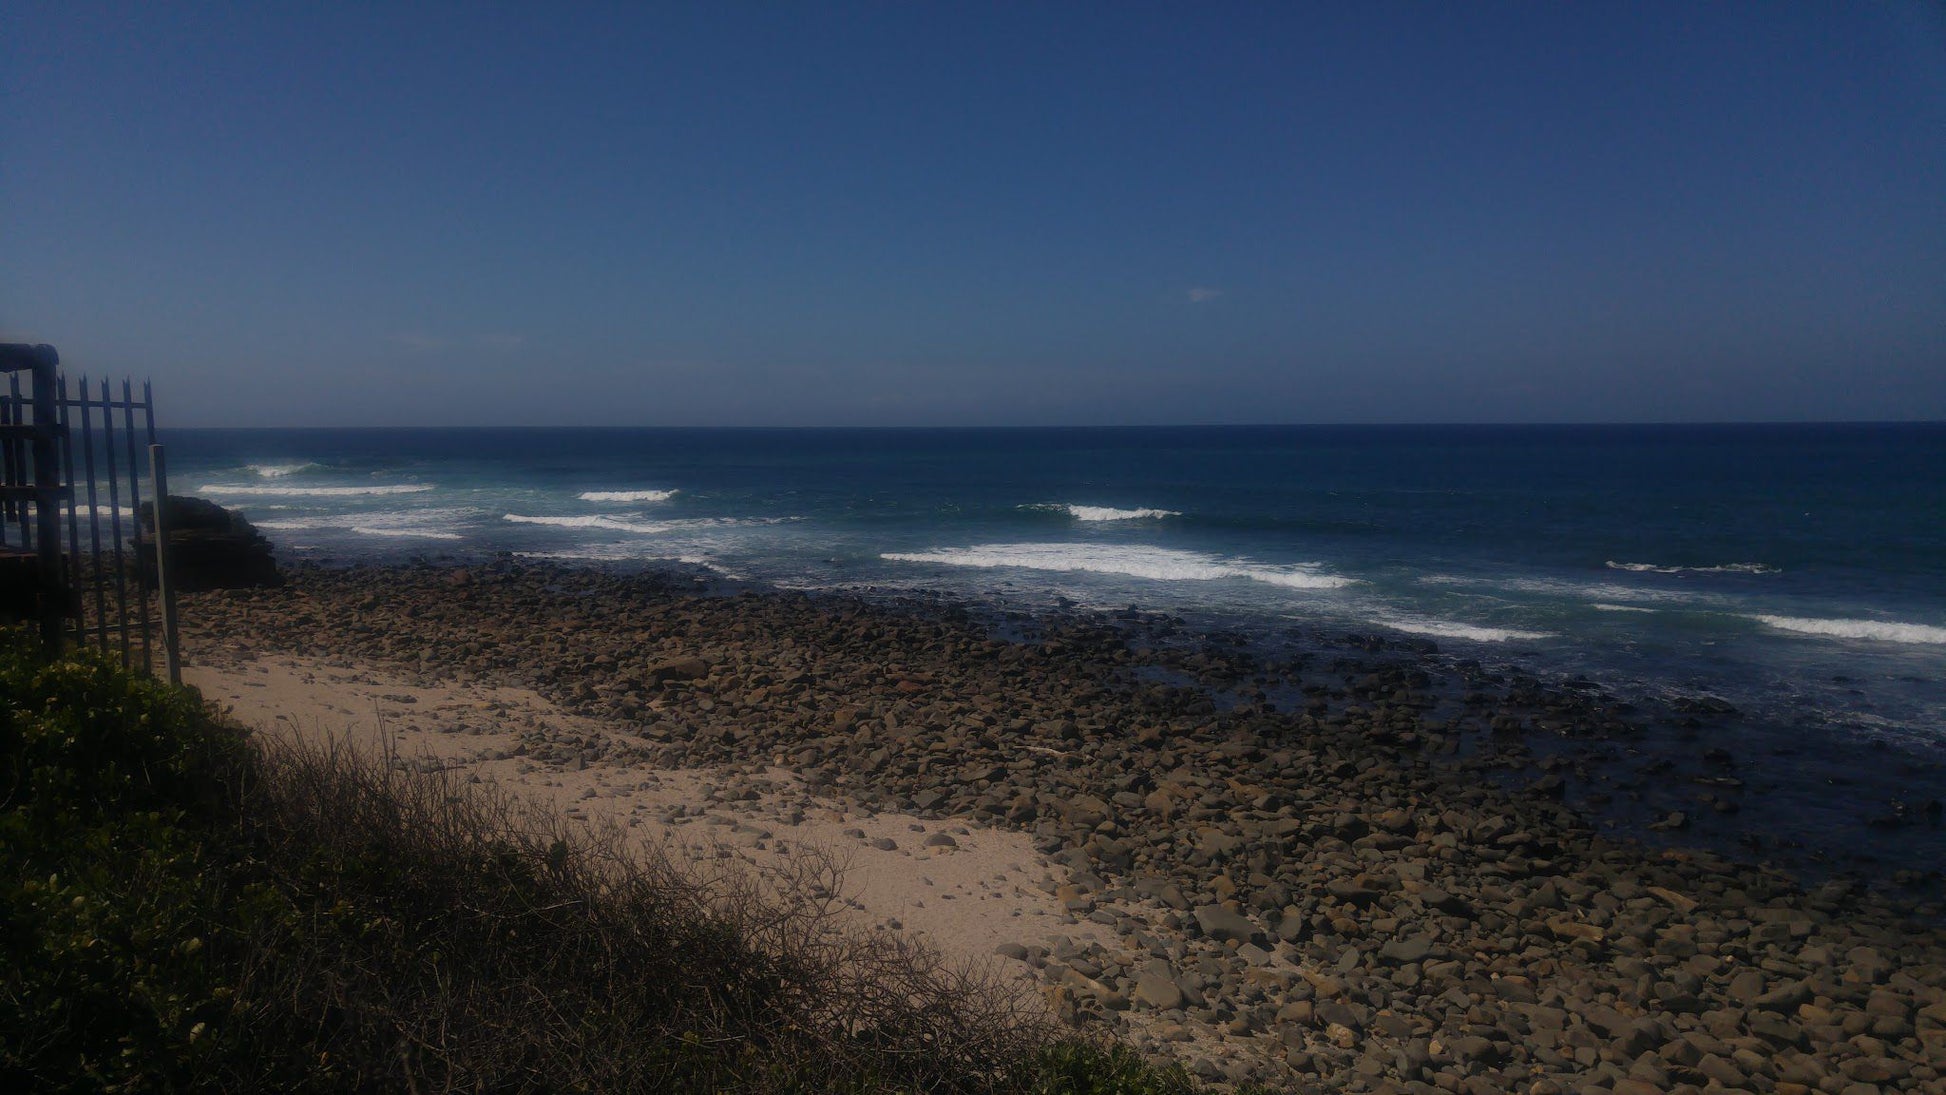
(71, 462)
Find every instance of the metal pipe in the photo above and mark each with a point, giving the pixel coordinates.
(115, 521)
(135, 504)
(164, 588)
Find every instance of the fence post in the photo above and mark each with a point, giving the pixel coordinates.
(47, 493)
(165, 588)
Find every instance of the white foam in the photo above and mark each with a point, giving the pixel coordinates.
(315, 492)
(610, 553)
(627, 495)
(423, 524)
(1103, 513)
(1889, 631)
(1449, 629)
(1600, 607)
(405, 533)
(628, 553)
(622, 524)
(1155, 564)
(278, 471)
(613, 524)
(1549, 587)
(1726, 568)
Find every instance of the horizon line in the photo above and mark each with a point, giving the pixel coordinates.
(1660, 424)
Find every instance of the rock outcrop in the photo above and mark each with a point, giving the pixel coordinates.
(209, 548)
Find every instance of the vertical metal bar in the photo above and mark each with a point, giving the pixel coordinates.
(100, 579)
(164, 587)
(47, 494)
(9, 508)
(115, 516)
(135, 505)
(6, 468)
(73, 568)
(166, 594)
(22, 470)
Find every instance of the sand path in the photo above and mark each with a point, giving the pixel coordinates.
(964, 889)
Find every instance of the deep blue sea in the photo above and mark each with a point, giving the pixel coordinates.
(1797, 572)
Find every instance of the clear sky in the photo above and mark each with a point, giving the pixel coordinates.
(919, 214)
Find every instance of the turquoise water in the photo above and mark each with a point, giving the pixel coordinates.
(1796, 572)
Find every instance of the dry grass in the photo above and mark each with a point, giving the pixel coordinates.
(441, 936)
(183, 909)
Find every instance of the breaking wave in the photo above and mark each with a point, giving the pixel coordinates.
(1727, 568)
(1155, 564)
(419, 524)
(1610, 592)
(315, 492)
(1878, 630)
(279, 471)
(612, 524)
(1102, 513)
(626, 495)
(405, 533)
(1449, 629)
(623, 524)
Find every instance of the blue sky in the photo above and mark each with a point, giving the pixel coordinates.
(911, 214)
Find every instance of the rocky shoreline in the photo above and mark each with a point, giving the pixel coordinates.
(1340, 873)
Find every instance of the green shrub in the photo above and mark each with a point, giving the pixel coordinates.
(182, 908)
(114, 787)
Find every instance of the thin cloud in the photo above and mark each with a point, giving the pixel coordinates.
(1203, 294)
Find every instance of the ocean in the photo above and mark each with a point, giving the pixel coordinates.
(1795, 573)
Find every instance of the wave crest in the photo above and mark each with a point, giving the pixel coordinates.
(416, 524)
(1726, 568)
(612, 524)
(405, 533)
(278, 471)
(314, 492)
(1890, 631)
(1450, 629)
(623, 524)
(1154, 564)
(626, 495)
(1102, 513)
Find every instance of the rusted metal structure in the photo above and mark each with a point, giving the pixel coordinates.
(68, 467)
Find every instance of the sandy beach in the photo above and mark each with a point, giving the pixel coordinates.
(1357, 894)
(964, 890)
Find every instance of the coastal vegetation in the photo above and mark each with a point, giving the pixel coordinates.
(188, 907)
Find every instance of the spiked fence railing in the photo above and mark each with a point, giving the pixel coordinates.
(64, 455)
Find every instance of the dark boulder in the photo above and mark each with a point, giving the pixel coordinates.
(209, 548)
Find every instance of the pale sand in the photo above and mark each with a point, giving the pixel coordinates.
(992, 889)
